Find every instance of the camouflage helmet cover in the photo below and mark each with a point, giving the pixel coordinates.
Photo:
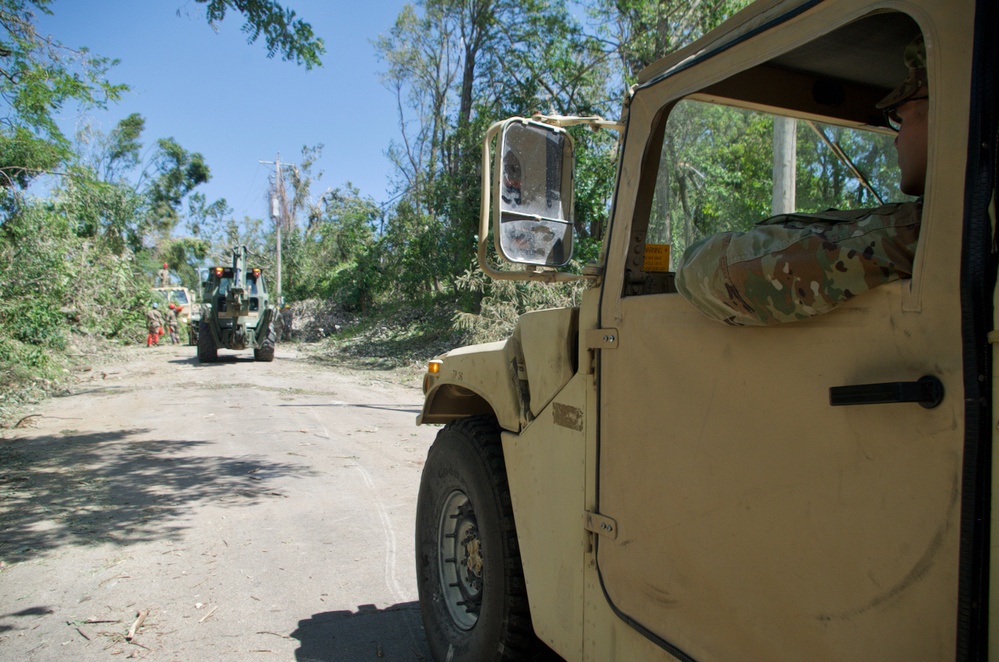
(915, 60)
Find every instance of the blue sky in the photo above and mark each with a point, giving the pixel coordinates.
(218, 95)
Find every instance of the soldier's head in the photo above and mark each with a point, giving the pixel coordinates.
(907, 110)
(165, 266)
(172, 307)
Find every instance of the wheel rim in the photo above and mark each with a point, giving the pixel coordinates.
(460, 560)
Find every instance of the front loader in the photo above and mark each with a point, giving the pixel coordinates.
(235, 313)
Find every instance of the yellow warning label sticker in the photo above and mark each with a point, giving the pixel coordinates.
(656, 258)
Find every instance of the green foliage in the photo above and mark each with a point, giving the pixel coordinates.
(504, 301)
(643, 31)
(38, 76)
(283, 33)
(183, 255)
(114, 155)
(52, 279)
(23, 156)
(825, 182)
(716, 172)
(108, 199)
(34, 283)
(109, 211)
(56, 287)
(596, 161)
(456, 68)
(176, 173)
(338, 257)
(81, 261)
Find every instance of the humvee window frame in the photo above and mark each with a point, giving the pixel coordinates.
(806, 83)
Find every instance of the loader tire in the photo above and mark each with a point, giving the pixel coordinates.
(207, 351)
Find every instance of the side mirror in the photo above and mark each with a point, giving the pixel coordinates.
(533, 194)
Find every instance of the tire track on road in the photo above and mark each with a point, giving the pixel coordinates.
(390, 577)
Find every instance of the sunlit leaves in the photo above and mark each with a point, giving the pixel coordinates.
(283, 33)
(39, 75)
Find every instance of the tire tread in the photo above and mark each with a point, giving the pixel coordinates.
(518, 641)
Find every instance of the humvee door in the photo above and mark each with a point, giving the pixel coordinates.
(755, 519)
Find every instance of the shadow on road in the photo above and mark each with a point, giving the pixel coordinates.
(393, 633)
(404, 409)
(223, 359)
(115, 487)
(29, 612)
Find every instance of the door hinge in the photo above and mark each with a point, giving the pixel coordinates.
(600, 525)
(601, 339)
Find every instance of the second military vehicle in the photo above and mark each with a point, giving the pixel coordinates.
(189, 313)
(235, 313)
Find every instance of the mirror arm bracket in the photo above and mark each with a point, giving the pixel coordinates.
(595, 122)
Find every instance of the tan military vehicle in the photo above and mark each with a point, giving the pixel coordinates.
(182, 297)
(631, 480)
(190, 312)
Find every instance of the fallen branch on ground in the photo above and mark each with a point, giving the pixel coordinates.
(135, 626)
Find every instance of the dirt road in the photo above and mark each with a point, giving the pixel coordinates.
(250, 511)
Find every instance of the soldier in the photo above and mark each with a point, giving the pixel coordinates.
(154, 325)
(171, 324)
(163, 275)
(794, 266)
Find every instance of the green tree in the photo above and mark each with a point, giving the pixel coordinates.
(108, 211)
(38, 77)
(175, 173)
(283, 33)
(456, 67)
(126, 201)
(338, 257)
(640, 32)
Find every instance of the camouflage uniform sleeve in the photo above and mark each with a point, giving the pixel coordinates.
(795, 266)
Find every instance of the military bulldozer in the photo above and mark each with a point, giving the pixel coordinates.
(235, 313)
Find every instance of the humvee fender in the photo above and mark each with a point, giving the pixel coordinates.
(512, 379)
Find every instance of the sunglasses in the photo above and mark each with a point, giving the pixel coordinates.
(891, 113)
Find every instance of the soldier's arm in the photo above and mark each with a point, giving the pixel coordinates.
(793, 267)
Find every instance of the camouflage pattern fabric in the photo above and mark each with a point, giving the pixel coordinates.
(915, 61)
(153, 320)
(171, 320)
(795, 266)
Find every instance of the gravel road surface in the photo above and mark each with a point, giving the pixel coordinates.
(168, 510)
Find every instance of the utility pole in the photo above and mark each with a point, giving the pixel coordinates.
(279, 209)
(785, 155)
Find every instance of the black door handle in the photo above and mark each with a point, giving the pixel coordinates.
(928, 391)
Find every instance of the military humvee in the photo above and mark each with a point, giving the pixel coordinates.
(630, 480)
(235, 313)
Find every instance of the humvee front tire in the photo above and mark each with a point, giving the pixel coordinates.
(207, 351)
(266, 351)
(473, 598)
